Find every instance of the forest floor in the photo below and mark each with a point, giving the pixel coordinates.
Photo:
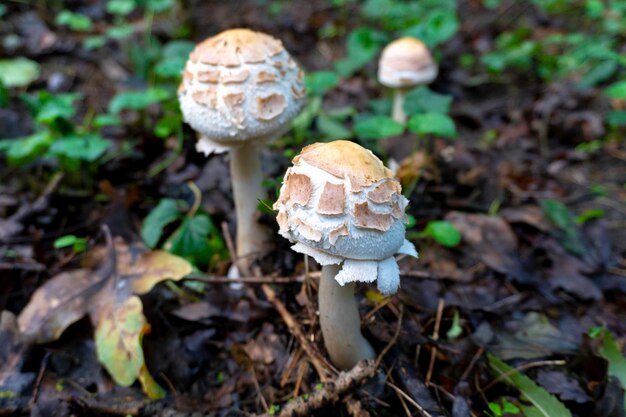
(534, 181)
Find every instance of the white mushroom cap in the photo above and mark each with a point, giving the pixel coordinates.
(339, 203)
(406, 62)
(240, 86)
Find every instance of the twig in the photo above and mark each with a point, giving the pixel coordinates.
(316, 358)
(409, 399)
(433, 352)
(393, 339)
(246, 280)
(331, 393)
(28, 209)
(472, 363)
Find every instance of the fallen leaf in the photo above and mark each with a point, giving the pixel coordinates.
(495, 242)
(563, 386)
(118, 339)
(107, 295)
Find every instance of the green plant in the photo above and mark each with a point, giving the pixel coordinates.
(195, 238)
(78, 244)
(56, 136)
(543, 403)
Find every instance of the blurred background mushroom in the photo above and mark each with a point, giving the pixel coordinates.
(342, 206)
(404, 64)
(239, 91)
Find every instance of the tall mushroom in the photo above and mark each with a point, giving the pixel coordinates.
(405, 63)
(239, 91)
(342, 206)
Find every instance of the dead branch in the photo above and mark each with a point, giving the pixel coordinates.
(331, 393)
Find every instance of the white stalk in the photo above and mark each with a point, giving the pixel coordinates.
(397, 112)
(246, 175)
(340, 321)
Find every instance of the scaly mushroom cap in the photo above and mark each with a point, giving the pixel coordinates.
(406, 62)
(240, 86)
(339, 203)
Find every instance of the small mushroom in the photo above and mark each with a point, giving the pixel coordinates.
(350, 218)
(405, 63)
(234, 96)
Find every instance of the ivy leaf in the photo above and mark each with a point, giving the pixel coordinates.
(191, 239)
(75, 21)
(432, 123)
(362, 46)
(423, 100)
(163, 214)
(23, 150)
(377, 127)
(80, 147)
(544, 403)
(57, 107)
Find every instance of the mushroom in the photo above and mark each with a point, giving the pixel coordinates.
(239, 91)
(405, 63)
(342, 206)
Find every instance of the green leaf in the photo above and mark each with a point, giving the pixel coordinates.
(94, 42)
(18, 72)
(74, 21)
(590, 214)
(137, 100)
(81, 147)
(319, 82)
(440, 26)
(377, 127)
(445, 233)
(159, 5)
(103, 120)
(616, 90)
(24, 150)
(331, 128)
(617, 363)
(545, 404)
(362, 46)
(78, 243)
(616, 118)
(57, 107)
(120, 32)
(120, 7)
(598, 73)
(174, 58)
(560, 216)
(455, 330)
(192, 239)
(432, 123)
(163, 214)
(424, 100)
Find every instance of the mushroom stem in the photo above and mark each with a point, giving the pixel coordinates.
(340, 321)
(397, 113)
(246, 175)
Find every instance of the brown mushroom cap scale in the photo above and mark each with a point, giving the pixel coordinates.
(240, 86)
